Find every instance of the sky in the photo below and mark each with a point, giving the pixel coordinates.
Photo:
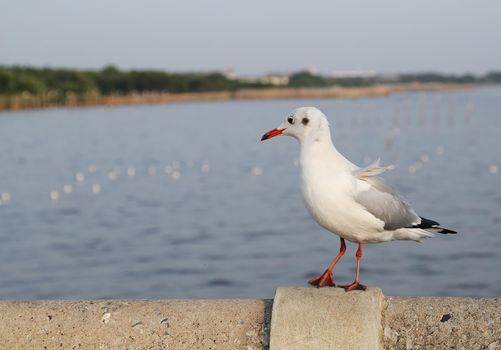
(254, 37)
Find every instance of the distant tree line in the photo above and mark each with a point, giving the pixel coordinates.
(305, 78)
(111, 80)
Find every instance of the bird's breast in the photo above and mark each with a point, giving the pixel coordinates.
(325, 198)
(328, 197)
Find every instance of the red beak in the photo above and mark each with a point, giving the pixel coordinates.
(272, 133)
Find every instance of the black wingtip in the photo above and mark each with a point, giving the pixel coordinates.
(432, 224)
(446, 231)
(426, 223)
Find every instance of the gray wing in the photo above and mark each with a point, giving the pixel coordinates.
(382, 201)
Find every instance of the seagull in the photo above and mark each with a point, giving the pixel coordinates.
(353, 202)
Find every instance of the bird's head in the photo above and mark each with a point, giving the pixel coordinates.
(304, 124)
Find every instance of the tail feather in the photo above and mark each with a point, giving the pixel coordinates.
(413, 234)
(446, 231)
(433, 226)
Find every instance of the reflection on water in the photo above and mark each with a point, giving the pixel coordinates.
(185, 201)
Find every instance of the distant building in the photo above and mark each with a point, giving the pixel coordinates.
(229, 73)
(271, 78)
(275, 79)
(313, 70)
(365, 74)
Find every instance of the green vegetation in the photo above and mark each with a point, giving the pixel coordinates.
(307, 79)
(58, 84)
(492, 77)
(38, 81)
(441, 78)
(110, 80)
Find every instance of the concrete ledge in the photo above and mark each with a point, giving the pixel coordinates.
(327, 318)
(442, 323)
(137, 324)
(301, 318)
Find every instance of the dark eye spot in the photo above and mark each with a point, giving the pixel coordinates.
(290, 120)
(305, 121)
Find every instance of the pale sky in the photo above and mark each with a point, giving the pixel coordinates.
(254, 37)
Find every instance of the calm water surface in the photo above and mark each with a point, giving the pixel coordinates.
(185, 201)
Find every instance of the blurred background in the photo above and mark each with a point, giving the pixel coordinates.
(131, 165)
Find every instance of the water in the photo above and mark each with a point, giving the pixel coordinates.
(183, 200)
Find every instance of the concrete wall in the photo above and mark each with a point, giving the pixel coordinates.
(301, 318)
(442, 323)
(133, 324)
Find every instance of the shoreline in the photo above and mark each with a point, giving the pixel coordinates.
(27, 102)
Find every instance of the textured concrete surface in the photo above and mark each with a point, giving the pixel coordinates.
(442, 323)
(326, 318)
(172, 324)
(302, 318)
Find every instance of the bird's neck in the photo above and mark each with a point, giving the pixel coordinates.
(320, 151)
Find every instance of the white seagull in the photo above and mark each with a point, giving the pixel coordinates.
(352, 202)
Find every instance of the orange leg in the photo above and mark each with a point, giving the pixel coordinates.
(326, 278)
(356, 285)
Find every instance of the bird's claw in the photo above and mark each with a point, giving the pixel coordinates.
(325, 280)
